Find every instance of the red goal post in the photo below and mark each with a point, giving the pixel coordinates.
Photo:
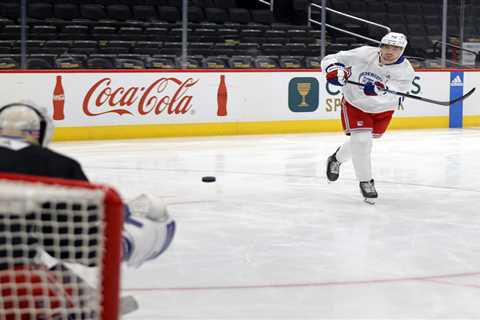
(77, 223)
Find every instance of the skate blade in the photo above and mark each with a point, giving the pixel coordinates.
(369, 201)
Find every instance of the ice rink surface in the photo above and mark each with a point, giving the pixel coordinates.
(271, 239)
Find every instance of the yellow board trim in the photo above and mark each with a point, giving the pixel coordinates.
(236, 128)
(419, 122)
(471, 121)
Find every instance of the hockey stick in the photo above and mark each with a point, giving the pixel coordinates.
(406, 95)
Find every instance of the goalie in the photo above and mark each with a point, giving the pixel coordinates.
(25, 132)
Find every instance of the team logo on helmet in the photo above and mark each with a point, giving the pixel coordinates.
(395, 39)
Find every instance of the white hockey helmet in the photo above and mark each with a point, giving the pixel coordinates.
(394, 39)
(25, 120)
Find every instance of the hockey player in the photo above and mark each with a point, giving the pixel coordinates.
(25, 132)
(366, 112)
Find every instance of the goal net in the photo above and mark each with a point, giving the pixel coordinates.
(47, 228)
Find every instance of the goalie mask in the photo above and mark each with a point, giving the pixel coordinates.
(26, 121)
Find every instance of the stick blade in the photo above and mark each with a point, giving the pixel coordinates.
(465, 96)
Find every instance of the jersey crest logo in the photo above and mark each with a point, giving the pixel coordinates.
(368, 76)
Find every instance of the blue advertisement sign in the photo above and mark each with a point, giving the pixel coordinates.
(456, 90)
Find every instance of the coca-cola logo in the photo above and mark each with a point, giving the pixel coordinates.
(164, 95)
(58, 97)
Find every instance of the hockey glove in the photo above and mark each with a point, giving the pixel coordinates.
(148, 230)
(337, 74)
(374, 89)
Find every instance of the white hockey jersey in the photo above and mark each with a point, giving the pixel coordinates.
(365, 66)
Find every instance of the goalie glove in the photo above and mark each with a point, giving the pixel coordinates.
(374, 88)
(148, 230)
(338, 74)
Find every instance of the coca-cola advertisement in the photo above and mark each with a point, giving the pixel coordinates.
(92, 104)
(222, 97)
(58, 100)
(168, 96)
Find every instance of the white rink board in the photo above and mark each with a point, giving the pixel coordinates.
(471, 106)
(95, 98)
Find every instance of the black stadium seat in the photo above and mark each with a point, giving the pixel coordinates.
(240, 15)
(358, 9)
(265, 62)
(203, 3)
(8, 63)
(223, 49)
(262, 16)
(119, 12)
(38, 63)
(161, 62)
(169, 13)
(200, 48)
(49, 58)
(10, 10)
(43, 32)
(172, 3)
(289, 62)
(147, 47)
(215, 63)
(74, 32)
(69, 62)
(57, 44)
(414, 19)
(104, 33)
(93, 11)
(413, 8)
(119, 44)
(374, 6)
(395, 7)
(225, 4)
(40, 11)
(123, 63)
(66, 11)
(144, 12)
(216, 15)
(269, 49)
(196, 14)
(132, 33)
(313, 62)
(240, 62)
(100, 62)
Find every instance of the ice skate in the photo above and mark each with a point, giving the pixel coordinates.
(368, 191)
(333, 167)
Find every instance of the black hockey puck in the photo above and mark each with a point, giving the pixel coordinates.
(208, 179)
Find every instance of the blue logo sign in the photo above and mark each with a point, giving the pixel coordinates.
(456, 90)
(303, 94)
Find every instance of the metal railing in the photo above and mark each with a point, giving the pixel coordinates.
(269, 3)
(437, 43)
(324, 8)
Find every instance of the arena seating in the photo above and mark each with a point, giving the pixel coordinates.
(148, 33)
